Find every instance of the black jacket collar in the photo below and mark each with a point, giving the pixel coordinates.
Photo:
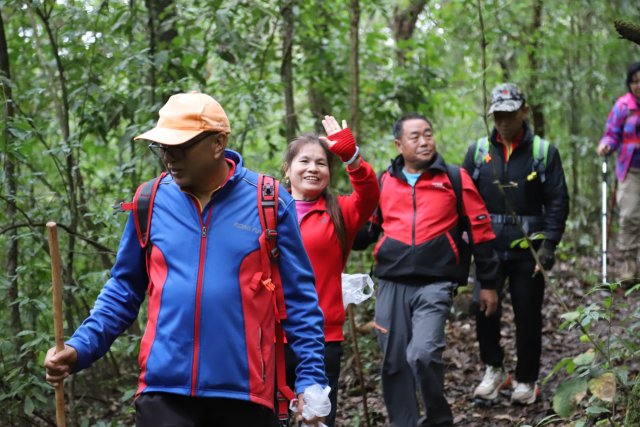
(395, 168)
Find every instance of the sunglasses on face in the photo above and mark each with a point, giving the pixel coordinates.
(177, 152)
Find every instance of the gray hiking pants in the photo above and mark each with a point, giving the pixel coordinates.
(411, 322)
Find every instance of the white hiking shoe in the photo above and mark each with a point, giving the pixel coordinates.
(525, 393)
(494, 379)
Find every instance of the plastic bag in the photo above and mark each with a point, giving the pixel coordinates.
(356, 288)
(316, 403)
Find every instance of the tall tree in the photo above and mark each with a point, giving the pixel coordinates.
(533, 56)
(354, 66)
(10, 174)
(286, 69)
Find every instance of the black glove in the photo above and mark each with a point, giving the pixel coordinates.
(547, 257)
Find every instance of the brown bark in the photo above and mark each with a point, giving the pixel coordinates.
(162, 30)
(404, 23)
(628, 30)
(483, 47)
(10, 173)
(286, 69)
(534, 66)
(354, 67)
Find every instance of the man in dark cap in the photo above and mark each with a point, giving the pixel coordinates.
(520, 177)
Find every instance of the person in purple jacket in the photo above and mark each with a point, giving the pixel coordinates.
(622, 134)
(207, 354)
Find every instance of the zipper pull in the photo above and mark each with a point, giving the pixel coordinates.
(204, 231)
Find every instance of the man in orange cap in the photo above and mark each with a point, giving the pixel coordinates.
(207, 354)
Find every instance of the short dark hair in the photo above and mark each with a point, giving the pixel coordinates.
(631, 71)
(397, 126)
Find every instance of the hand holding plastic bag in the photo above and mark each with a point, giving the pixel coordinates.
(356, 288)
(316, 404)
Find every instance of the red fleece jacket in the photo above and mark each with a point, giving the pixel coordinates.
(323, 246)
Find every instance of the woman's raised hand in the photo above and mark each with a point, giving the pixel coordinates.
(339, 140)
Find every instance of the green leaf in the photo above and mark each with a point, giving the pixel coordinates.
(28, 405)
(585, 358)
(571, 316)
(597, 410)
(568, 395)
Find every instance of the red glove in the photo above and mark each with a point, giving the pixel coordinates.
(345, 146)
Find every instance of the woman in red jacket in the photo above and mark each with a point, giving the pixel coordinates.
(328, 225)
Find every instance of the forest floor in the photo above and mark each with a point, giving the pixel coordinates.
(464, 368)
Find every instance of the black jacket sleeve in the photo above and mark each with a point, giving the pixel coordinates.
(555, 199)
(367, 234)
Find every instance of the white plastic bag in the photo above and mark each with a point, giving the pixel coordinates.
(316, 403)
(356, 288)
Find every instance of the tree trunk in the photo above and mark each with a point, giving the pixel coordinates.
(10, 174)
(404, 23)
(534, 67)
(354, 89)
(286, 70)
(574, 116)
(409, 93)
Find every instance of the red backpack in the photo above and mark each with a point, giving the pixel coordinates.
(142, 207)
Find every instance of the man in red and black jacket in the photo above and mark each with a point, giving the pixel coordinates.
(419, 264)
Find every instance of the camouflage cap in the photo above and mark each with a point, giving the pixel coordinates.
(506, 97)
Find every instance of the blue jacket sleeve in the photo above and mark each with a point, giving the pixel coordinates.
(304, 324)
(117, 304)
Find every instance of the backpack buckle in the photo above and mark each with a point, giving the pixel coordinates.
(122, 207)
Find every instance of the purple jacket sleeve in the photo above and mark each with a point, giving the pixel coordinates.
(614, 127)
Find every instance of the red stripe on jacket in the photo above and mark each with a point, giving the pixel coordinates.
(157, 278)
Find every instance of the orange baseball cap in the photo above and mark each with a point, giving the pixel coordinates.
(185, 116)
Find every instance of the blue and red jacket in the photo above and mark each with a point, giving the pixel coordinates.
(210, 328)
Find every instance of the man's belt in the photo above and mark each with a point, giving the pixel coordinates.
(515, 219)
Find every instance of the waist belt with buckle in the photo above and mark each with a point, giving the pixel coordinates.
(514, 219)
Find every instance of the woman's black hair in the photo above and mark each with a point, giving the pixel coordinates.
(333, 208)
(631, 70)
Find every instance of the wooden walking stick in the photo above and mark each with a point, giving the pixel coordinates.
(356, 353)
(56, 277)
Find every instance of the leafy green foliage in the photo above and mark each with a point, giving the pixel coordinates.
(90, 68)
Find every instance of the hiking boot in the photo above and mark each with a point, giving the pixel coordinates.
(525, 393)
(494, 379)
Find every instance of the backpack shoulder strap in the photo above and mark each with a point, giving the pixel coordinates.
(268, 192)
(456, 182)
(142, 207)
(540, 156)
(481, 151)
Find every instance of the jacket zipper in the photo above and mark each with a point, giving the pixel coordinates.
(196, 320)
(413, 223)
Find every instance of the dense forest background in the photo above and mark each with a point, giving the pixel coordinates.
(81, 78)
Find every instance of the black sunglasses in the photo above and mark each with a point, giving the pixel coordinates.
(178, 152)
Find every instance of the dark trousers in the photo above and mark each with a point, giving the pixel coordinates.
(172, 410)
(527, 294)
(332, 356)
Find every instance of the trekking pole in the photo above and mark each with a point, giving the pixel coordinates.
(356, 353)
(604, 220)
(56, 276)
